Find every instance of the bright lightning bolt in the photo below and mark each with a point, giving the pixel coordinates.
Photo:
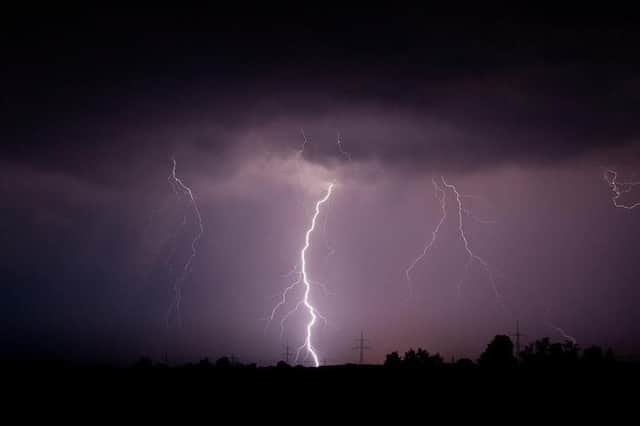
(471, 255)
(305, 279)
(180, 188)
(443, 205)
(302, 279)
(619, 188)
(301, 276)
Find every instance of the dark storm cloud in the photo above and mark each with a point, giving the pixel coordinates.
(522, 116)
(406, 89)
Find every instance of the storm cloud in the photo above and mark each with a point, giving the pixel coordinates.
(520, 113)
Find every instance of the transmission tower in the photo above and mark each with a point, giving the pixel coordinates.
(362, 346)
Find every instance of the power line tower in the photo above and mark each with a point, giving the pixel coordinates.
(362, 346)
(518, 335)
(287, 353)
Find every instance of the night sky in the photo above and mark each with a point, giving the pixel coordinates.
(522, 114)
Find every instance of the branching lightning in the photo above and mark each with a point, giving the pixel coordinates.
(305, 279)
(300, 153)
(443, 205)
(283, 300)
(330, 249)
(471, 255)
(181, 189)
(619, 188)
(300, 275)
(302, 279)
(441, 196)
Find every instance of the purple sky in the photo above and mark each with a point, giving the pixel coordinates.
(93, 233)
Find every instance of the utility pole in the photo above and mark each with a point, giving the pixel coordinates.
(362, 346)
(518, 335)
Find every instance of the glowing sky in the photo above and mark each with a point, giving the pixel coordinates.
(521, 115)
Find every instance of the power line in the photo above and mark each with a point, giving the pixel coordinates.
(362, 346)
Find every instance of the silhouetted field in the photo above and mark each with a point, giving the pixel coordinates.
(543, 367)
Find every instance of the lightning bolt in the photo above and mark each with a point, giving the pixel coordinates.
(330, 249)
(305, 279)
(563, 333)
(300, 153)
(619, 188)
(441, 196)
(344, 153)
(329, 246)
(443, 206)
(472, 257)
(302, 279)
(180, 188)
(559, 330)
(283, 300)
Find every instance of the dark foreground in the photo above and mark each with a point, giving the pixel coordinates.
(326, 395)
(545, 375)
(334, 383)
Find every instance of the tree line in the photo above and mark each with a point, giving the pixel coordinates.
(500, 354)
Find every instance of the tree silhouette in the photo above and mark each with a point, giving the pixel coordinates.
(205, 363)
(413, 359)
(499, 353)
(428, 361)
(143, 363)
(410, 359)
(544, 353)
(593, 356)
(609, 357)
(223, 362)
(465, 363)
(393, 360)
